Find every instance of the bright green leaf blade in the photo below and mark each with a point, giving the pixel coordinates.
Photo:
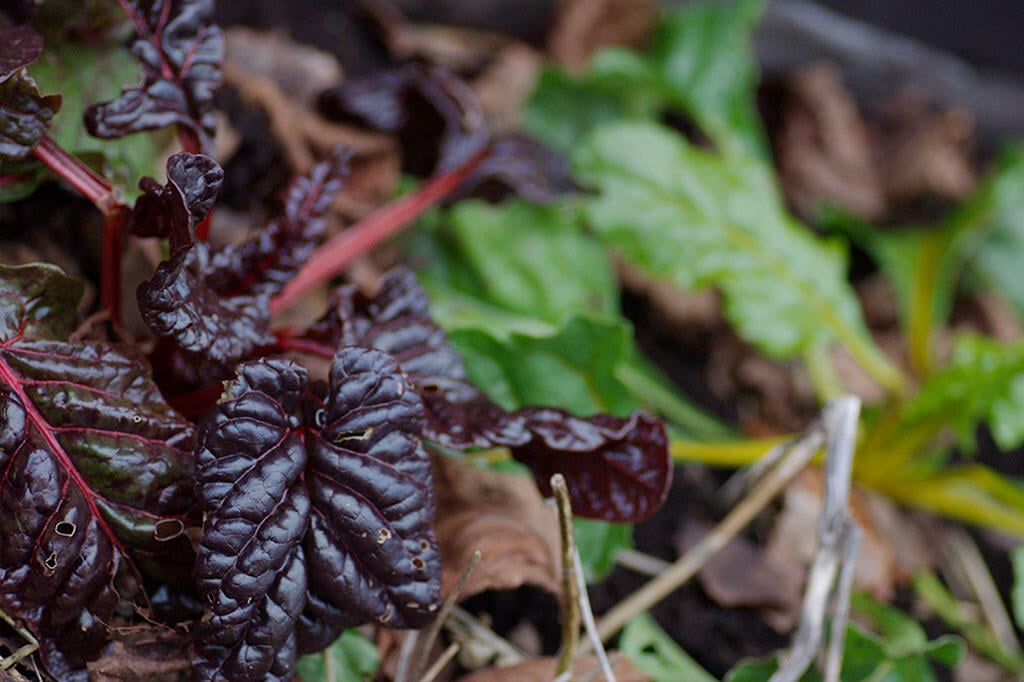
(598, 543)
(657, 654)
(1000, 207)
(983, 383)
(351, 658)
(529, 260)
(974, 494)
(574, 369)
(87, 74)
(703, 54)
(618, 85)
(901, 634)
(1017, 596)
(701, 220)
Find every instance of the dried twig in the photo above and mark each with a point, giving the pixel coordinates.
(570, 587)
(441, 662)
(795, 455)
(836, 542)
(429, 636)
(588, 619)
(641, 563)
(463, 623)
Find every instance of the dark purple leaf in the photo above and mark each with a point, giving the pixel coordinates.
(177, 302)
(214, 303)
(518, 165)
(96, 469)
(617, 469)
(20, 45)
(25, 116)
(173, 210)
(434, 114)
(317, 502)
(265, 263)
(180, 52)
(251, 570)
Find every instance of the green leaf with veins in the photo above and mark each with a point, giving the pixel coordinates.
(997, 262)
(700, 63)
(703, 220)
(85, 74)
(656, 654)
(984, 382)
(533, 262)
(703, 54)
(351, 658)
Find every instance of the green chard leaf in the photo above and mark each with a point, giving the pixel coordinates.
(657, 654)
(700, 219)
(703, 55)
(700, 63)
(1000, 206)
(983, 383)
(352, 658)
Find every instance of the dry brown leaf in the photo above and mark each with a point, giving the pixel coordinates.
(823, 147)
(502, 515)
(301, 71)
(743, 574)
(935, 160)
(892, 547)
(582, 27)
(543, 669)
(144, 653)
(506, 83)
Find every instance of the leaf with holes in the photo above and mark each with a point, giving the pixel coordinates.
(318, 508)
(618, 469)
(96, 471)
(180, 52)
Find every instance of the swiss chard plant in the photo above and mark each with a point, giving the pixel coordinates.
(203, 468)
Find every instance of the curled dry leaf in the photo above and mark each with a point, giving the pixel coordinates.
(823, 148)
(582, 27)
(146, 653)
(502, 515)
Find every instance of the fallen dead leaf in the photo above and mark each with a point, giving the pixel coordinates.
(744, 574)
(541, 669)
(300, 70)
(502, 515)
(892, 547)
(823, 149)
(506, 83)
(935, 160)
(582, 27)
(150, 653)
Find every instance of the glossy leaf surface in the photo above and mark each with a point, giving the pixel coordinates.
(180, 53)
(20, 45)
(213, 302)
(25, 115)
(318, 507)
(617, 468)
(96, 469)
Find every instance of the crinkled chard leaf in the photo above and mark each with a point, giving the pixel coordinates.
(214, 302)
(318, 509)
(96, 469)
(617, 469)
(265, 263)
(518, 165)
(435, 115)
(20, 45)
(25, 116)
(173, 210)
(180, 52)
(177, 302)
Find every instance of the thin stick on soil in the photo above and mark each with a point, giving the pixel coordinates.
(443, 660)
(841, 609)
(834, 532)
(570, 587)
(465, 623)
(797, 454)
(588, 619)
(429, 636)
